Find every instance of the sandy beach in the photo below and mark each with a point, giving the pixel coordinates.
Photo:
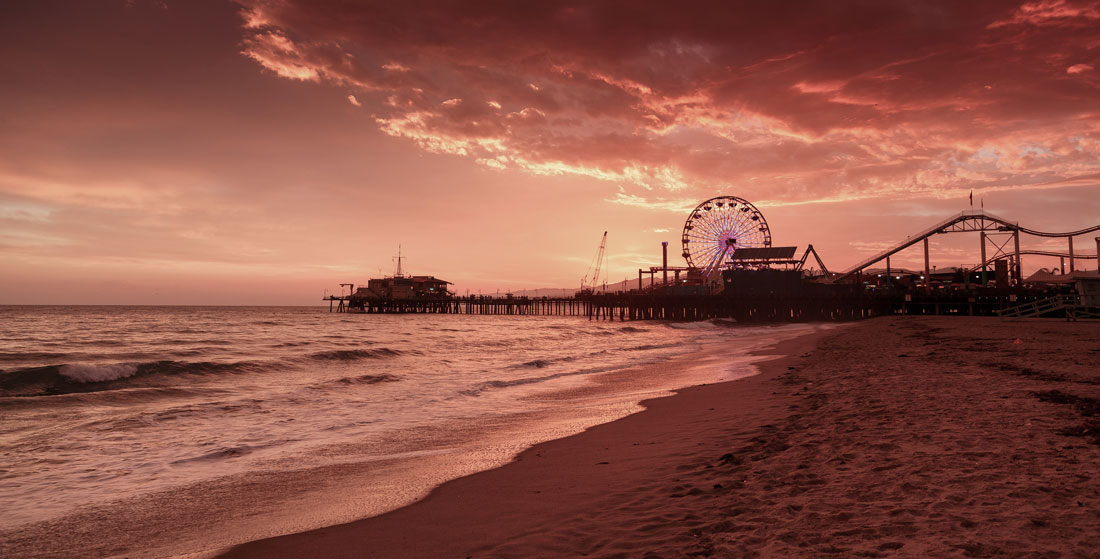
(933, 437)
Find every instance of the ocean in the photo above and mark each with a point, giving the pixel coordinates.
(173, 431)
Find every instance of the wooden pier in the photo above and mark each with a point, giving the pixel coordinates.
(464, 305)
(644, 306)
(755, 307)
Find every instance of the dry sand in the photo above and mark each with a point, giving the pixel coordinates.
(897, 437)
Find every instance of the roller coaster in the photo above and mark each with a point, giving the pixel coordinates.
(990, 227)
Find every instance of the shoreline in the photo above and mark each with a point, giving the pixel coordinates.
(900, 436)
(463, 516)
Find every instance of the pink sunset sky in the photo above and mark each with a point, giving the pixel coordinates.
(261, 151)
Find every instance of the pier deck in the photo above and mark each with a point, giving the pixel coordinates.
(744, 308)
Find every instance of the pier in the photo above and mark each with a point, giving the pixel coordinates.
(629, 306)
(743, 307)
(734, 272)
(562, 306)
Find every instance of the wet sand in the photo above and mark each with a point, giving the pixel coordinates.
(894, 437)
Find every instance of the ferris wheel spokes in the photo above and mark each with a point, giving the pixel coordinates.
(717, 228)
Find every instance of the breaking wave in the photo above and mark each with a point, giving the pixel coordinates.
(97, 373)
(478, 389)
(92, 377)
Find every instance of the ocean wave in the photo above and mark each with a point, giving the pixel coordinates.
(478, 389)
(84, 372)
(647, 347)
(220, 454)
(292, 344)
(488, 385)
(71, 378)
(631, 329)
(355, 354)
(106, 342)
(704, 324)
(186, 341)
(132, 395)
(544, 362)
(368, 379)
(30, 355)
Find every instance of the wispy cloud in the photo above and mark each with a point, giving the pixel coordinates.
(661, 204)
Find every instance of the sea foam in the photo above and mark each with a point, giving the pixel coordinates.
(97, 373)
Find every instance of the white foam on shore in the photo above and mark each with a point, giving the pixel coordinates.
(97, 373)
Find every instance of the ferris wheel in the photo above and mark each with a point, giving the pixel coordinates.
(718, 227)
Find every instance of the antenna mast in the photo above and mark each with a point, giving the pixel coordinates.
(398, 258)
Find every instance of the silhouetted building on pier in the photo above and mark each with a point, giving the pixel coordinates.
(404, 287)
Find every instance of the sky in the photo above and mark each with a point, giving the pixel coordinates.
(263, 151)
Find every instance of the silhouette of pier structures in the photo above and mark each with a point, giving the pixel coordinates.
(752, 288)
(743, 306)
(632, 306)
(995, 233)
(560, 306)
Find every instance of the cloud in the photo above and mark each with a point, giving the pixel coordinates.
(681, 206)
(1052, 12)
(354, 101)
(277, 53)
(823, 103)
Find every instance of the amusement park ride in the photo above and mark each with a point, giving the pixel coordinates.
(995, 232)
(727, 249)
(725, 232)
(730, 233)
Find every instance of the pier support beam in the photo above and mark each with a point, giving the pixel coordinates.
(1098, 255)
(983, 258)
(1019, 265)
(1071, 267)
(664, 261)
(888, 273)
(927, 270)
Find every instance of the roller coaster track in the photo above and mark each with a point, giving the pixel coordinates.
(974, 220)
(1037, 253)
(1045, 234)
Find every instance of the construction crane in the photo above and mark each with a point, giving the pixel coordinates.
(597, 262)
